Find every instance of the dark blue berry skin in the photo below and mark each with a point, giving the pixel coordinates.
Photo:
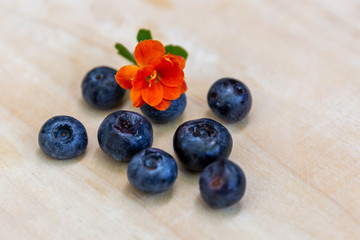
(100, 89)
(222, 184)
(63, 137)
(152, 170)
(229, 99)
(124, 133)
(197, 143)
(175, 109)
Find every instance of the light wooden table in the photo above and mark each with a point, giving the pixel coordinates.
(299, 147)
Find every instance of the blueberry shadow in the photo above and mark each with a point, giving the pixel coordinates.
(221, 213)
(109, 164)
(151, 200)
(44, 158)
(189, 177)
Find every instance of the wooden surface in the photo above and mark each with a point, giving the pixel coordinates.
(299, 147)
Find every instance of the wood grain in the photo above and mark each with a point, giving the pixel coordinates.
(299, 147)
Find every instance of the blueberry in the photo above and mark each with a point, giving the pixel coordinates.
(124, 133)
(176, 108)
(63, 137)
(197, 143)
(222, 184)
(229, 99)
(152, 170)
(100, 89)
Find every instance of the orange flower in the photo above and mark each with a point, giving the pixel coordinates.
(157, 79)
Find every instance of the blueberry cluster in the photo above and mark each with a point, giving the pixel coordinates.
(201, 145)
(205, 145)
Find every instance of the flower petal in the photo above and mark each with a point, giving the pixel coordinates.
(169, 72)
(135, 96)
(147, 51)
(172, 93)
(163, 63)
(165, 104)
(125, 75)
(153, 95)
(180, 60)
(140, 78)
(172, 77)
(183, 87)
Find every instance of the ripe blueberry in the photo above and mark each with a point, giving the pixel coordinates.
(197, 143)
(124, 133)
(222, 184)
(229, 99)
(152, 170)
(176, 108)
(100, 89)
(63, 137)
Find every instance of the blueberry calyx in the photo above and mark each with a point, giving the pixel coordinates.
(152, 160)
(124, 125)
(63, 132)
(216, 183)
(205, 130)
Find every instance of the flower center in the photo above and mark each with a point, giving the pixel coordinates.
(152, 77)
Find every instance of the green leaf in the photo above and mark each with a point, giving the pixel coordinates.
(143, 34)
(125, 53)
(176, 50)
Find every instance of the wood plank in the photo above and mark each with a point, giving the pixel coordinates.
(299, 147)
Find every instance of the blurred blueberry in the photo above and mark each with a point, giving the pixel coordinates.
(229, 99)
(222, 184)
(175, 109)
(100, 89)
